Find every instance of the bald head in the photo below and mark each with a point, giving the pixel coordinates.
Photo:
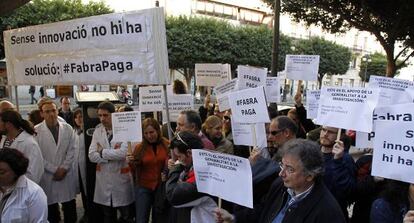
(6, 105)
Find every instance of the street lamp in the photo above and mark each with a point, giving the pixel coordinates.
(367, 60)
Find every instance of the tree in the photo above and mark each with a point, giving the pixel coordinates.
(48, 11)
(376, 65)
(391, 22)
(334, 58)
(6, 6)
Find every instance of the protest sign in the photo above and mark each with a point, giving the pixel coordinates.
(302, 67)
(176, 104)
(364, 140)
(211, 74)
(312, 103)
(394, 152)
(151, 98)
(219, 174)
(347, 108)
(222, 92)
(126, 126)
(251, 77)
(392, 90)
(118, 48)
(249, 106)
(272, 89)
(243, 134)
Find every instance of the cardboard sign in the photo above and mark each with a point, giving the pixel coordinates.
(151, 98)
(392, 91)
(251, 77)
(312, 103)
(364, 140)
(126, 126)
(211, 74)
(219, 174)
(222, 92)
(347, 108)
(249, 106)
(178, 103)
(243, 134)
(118, 48)
(302, 67)
(272, 89)
(394, 153)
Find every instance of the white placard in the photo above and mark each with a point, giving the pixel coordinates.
(394, 153)
(312, 103)
(249, 106)
(126, 126)
(151, 98)
(178, 103)
(302, 67)
(51, 93)
(272, 89)
(118, 48)
(222, 92)
(251, 77)
(211, 74)
(347, 108)
(243, 134)
(219, 174)
(364, 140)
(392, 90)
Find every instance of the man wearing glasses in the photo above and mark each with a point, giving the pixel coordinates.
(298, 195)
(189, 120)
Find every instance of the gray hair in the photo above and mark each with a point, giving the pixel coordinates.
(309, 154)
(192, 117)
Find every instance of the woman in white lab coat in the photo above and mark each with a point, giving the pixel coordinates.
(22, 200)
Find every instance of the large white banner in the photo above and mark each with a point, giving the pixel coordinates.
(251, 77)
(392, 90)
(347, 108)
(243, 134)
(211, 74)
(119, 48)
(176, 104)
(222, 92)
(126, 126)
(219, 174)
(151, 98)
(249, 106)
(272, 89)
(302, 67)
(312, 103)
(394, 152)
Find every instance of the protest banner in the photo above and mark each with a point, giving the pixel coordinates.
(364, 140)
(243, 134)
(151, 98)
(251, 77)
(249, 106)
(118, 48)
(176, 104)
(392, 90)
(393, 150)
(219, 174)
(272, 89)
(211, 74)
(347, 108)
(126, 126)
(312, 103)
(222, 92)
(302, 67)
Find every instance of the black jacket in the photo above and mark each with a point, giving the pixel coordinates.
(318, 207)
(67, 116)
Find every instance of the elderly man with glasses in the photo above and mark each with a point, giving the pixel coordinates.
(298, 195)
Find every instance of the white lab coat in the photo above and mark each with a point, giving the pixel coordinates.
(80, 158)
(113, 178)
(27, 144)
(26, 204)
(54, 156)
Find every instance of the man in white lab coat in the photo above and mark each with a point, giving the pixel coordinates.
(114, 185)
(57, 143)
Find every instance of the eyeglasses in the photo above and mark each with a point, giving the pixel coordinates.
(276, 132)
(181, 139)
(288, 169)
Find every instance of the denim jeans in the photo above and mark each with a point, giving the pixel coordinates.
(144, 198)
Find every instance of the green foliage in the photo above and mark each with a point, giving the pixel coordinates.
(47, 11)
(377, 66)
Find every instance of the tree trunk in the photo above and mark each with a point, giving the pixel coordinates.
(187, 75)
(7, 6)
(391, 67)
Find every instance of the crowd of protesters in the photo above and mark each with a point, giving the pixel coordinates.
(303, 175)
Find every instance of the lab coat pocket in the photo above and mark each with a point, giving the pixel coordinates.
(20, 215)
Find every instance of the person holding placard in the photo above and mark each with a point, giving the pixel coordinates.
(212, 128)
(298, 115)
(147, 162)
(189, 204)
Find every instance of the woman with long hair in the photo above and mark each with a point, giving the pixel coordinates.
(148, 161)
